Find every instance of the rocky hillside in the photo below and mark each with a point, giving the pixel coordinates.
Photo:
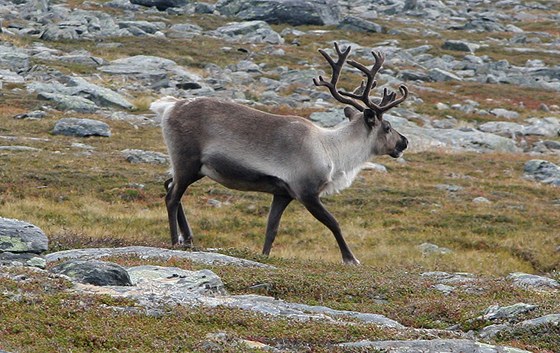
(459, 239)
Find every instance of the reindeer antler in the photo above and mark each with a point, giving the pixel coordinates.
(336, 68)
(389, 99)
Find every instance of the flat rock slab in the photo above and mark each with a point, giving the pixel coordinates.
(21, 237)
(529, 281)
(432, 346)
(156, 286)
(146, 252)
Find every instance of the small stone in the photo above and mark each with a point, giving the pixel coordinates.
(544, 108)
(460, 45)
(504, 113)
(34, 115)
(375, 167)
(496, 312)
(481, 199)
(450, 188)
(140, 156)
(429, 248)
(214, 203)
(445, 289)
(489, 332)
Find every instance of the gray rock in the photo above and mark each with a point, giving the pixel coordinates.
(21, 237)
(543, 171)
(184, 30)
(55, 33)
(145, 27)
(552, 145)
(98, 273)
(460, 45)
(203, 7)
(329, 118)
(411, 75)
(250, 31)
(428, 248)
(511, 312)
(161, 5)
(150, 68)
(471, 140)
(539, 127)
(481, 200)
(9, 76)
(504, 113)
(503, 128)
(141, 156)
(529, 281)
(552, 319)
(33, 115)
(358, 24)
(144, 252)
(431, 346)
(155, 286)
(19, 148)
(482, 24)
(449, 278)
(448, 123)
(489, 332)
(203, 282)
(100, 95)
(78, 57)
(375, 167)
(81, 127)
(549, 127)
(448, 187)
(439, 75)
(22, 259)
(293, 12)
(13, 58)
(444, 288)
(67, 102)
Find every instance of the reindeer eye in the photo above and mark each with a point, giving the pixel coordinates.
(387, 128)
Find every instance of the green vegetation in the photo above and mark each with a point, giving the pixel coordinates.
(93, 200)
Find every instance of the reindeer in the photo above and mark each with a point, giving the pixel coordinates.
(286, 156)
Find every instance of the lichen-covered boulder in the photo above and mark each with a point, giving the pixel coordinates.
(22, 259)
(21, 237)
(99, 273)
(543, 171)
(81, 127)
(294, 12)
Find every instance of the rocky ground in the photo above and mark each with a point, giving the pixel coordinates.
(154, 289)
(483, 76)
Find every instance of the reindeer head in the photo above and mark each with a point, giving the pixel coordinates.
(387, 140)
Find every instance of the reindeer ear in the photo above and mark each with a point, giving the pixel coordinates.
(349, 112)
(371, 117)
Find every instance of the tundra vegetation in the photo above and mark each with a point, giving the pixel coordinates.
(83, 193)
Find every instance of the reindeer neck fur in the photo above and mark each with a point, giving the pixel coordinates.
(348, 147)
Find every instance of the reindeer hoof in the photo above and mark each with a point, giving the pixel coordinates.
(351, 262)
